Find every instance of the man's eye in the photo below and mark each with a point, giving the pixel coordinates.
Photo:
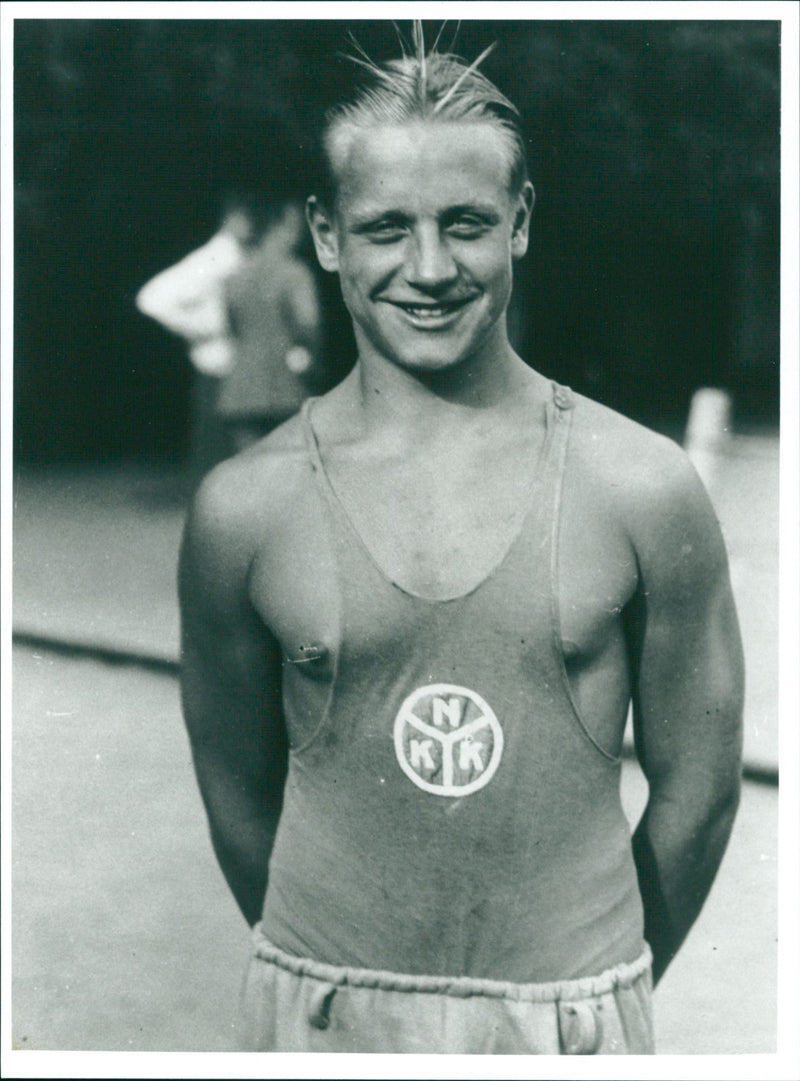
(385, 232)
(467, 227)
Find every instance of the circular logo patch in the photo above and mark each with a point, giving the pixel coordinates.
(447, 740)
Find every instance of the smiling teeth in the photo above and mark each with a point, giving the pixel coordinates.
(428, 313)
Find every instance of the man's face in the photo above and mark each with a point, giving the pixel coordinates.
(423, 237)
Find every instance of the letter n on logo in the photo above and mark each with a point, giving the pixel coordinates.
(450, 709)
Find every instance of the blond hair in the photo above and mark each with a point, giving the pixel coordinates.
(432, 87)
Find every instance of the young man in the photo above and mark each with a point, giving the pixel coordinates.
(414, 618)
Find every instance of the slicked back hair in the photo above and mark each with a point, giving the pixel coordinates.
(437, 88)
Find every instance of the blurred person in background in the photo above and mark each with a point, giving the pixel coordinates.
(414, 618)
(188, 299)
(246, 305)
(273, 316)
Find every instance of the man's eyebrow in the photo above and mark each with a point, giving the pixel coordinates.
(483, 210)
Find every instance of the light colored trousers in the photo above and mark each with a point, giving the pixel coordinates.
(295, 1004)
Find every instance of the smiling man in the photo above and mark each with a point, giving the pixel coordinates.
(414, 619)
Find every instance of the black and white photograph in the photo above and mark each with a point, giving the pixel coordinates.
(400, 540)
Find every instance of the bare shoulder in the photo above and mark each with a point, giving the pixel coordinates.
(647, 480)
(238, 503)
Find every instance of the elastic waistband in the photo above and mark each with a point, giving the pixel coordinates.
(622, 975)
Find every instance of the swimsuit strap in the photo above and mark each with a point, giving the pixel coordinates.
(546, 474)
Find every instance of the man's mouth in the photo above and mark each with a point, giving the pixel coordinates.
(431, 311)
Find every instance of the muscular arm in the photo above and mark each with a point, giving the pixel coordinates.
(230, 686)
(687, 698)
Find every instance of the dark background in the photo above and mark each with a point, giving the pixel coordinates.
(653, 146)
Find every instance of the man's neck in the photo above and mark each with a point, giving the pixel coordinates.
(418, 403)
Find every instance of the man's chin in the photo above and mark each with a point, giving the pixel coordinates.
(432, 353)
(431, 365)
(428, 354)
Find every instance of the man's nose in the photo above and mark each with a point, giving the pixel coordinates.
(430, 262)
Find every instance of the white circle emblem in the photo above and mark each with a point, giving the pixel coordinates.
(447, 740)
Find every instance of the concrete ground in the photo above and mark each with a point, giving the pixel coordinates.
(124, 934)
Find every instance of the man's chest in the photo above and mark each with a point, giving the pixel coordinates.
(437, 524)
(440, 535)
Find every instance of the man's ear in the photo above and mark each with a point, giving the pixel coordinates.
(522, 220)
(323, 231)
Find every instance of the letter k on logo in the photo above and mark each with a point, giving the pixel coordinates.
(447, 739)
